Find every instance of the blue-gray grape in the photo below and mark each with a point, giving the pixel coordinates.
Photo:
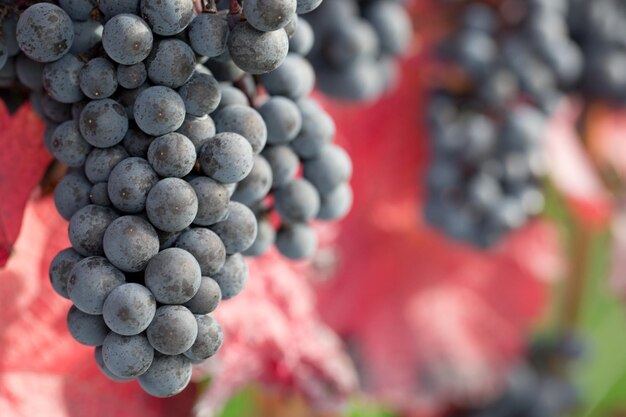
(294, 78)
(71, 194)
(86, 36)
(209, 340)
(201, 94)
(173, 330)
(256, 185)
(238, 230)
(68, 146)
(268, 16)
(208, 33)
(213, 198)
(60, 268)
(127, 356)
(112, 8)
(297, 201)
(318, 129)
(266, 235)
(87, 227)
(257, 52)
(136, 142)
(129, 309)
(29, 72)
(127, 39)
(99, 194)
(172, 204)
(44, 32)
(199, 130)
(98, 78)
(130, 242)
(171, 63)
(331, 167)
(244, 120)
(172, 155)
(100, 162)
(206, 299)
(336, 204)
(167, 18)
(129, 184)
(227, 158)
(61, 79)
(282, 118)
(284, 163)
(206, 246)
(233, 276)
(87, 329)
(302, 39)
(54, 111)
(91, 281)
(230, 96)
(103, 368)
(78, 9)
(103, 123)
(167, 376)
(173, 276)
(132, 76)
(296, 241)
(159, 110)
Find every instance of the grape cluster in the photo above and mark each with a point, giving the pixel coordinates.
(486, 129)
(357, 42)
(153, 107)
(538, 387)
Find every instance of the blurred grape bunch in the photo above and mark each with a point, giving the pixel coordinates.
(539, 386)
(357, 45)
(488, 120)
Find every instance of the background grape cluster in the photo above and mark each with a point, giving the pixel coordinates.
(190, 140)
(516, 61)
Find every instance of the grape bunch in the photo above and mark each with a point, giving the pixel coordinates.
(540, 386)
(487, 127)
(357, 44)
(153, 106)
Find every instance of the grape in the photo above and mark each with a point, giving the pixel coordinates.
(238, 230)
(173, 330)
(167, 18)
(127, 356)
(103, 123)
(86, 229)
(268, 16)
(167, 239)
(208, 341)
(208, 33)
(264, 239)
(283, 120)
(29, 72)
(132, 76)
(159, 110)
(71, 194)
(130, 242)
(227, 158)
(44, 32)
(331, 167)
(294, 79)
(224, 69)
(98, 78)
(206, 247)
(127, 98)
(391, 23)
(257, 52)
(172, 204)
(68, 146)
(54, 111)
(127, 39)
(99, 194)
(206, 299)
(213, 199)
(284, 163)
(233, 276)
(100, 162)
(301, 42)
(60, 269)
(129, 184)
(137, 142)
(231, 96)
(111, 8)
(257, 184)
(129, 309)
(297, 201)
(78, 9)
(61, 79)
(306, 6)
(353, 41)
(167, 376)
(201, 94)
(91, 281)
(87, 329)
(318, 129)
(245, 121)
(104, 369)
(86, 36)
(290, 27)
(336, 204)
(171, 63)
(296, 241)
(199, 130)
(172, 155)
(173, 276)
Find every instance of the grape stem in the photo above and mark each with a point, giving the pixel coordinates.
(234, 7)
(208, 6)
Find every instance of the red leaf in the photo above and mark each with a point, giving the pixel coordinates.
(43, 371)
(23, 161)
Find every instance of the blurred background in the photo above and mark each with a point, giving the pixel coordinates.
(480, 272)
